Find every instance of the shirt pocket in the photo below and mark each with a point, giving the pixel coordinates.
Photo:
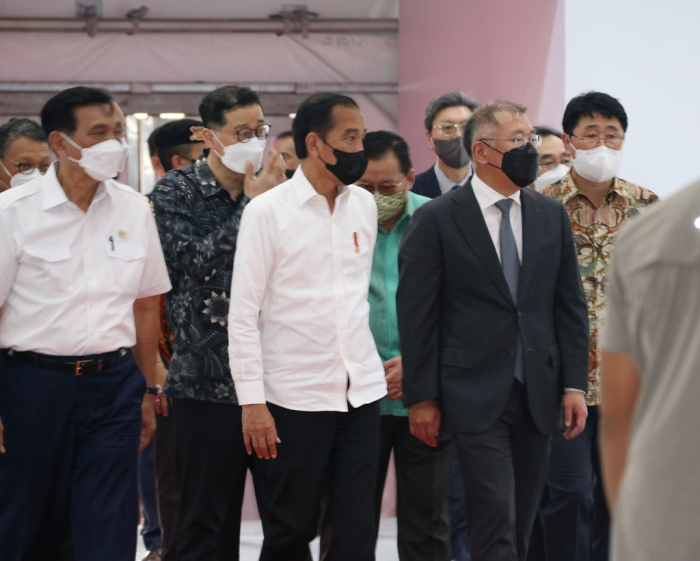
(52, 264)
(126, 262)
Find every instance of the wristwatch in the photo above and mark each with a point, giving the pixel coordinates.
(155, 391)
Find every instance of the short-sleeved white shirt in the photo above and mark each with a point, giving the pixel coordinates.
(65, 288)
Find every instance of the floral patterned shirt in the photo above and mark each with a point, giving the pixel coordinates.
(595, 230)
(198, 225)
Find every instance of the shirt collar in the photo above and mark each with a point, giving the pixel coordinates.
(486, 196)
(568, 189)
(445, 183)
(53, 194)
(305, 191)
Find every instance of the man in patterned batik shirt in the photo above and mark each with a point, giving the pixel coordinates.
(575, 517)
(198, 211)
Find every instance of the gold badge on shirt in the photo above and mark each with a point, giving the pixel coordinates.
(122, 234)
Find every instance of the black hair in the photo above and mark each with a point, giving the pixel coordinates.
(17, 128)
(483, 122)
(59, 112)
(315, 114)
(166, 155)
(452, 99)
(545, 131)
(590, 104)
(152, 148)
(214, 105)
(285, 134)
(378, 144)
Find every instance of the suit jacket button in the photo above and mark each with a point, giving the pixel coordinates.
(513, 352)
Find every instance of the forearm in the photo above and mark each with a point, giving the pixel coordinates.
(147, 318)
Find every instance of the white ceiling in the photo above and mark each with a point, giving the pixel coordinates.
(210, 9)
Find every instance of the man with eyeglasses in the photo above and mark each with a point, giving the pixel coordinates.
(198, 211)
(422, 473)
(24, 153)
(555, 161)
(493, 328)
(599, 203)
(445, 118)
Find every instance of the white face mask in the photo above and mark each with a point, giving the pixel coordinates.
(236, 155)
(598, 164)
(551, 176)
(21, 178)
(102, 161)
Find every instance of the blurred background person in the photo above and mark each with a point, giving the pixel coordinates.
(445, 118)
(555, 161)
(284, 144)
(24, 153)
(422, 472)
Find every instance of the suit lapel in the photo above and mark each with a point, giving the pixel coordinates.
(532, 239)
(470, 221)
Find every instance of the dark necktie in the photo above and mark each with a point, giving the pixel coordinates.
(510, 263)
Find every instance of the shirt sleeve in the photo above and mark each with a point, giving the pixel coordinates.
(253, 262)
(155, 278)
(8, 257)
(616, 336)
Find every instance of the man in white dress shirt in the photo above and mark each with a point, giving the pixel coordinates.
(80, 271)
(303, 359)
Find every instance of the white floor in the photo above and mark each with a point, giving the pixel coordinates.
(251, 540)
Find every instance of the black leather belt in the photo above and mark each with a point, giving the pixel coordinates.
(95, 363)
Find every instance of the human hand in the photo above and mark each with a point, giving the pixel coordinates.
(259, 431)
(393, 374)
(424, 419)
(271, 175)
(2, 441)
(575, 413)
(148, 423)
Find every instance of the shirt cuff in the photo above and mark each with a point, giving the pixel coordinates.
(250, 393)
(575, 390)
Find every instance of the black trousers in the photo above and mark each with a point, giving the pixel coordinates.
(422, 480)
(70, 470)
(504, 470)
(212, 462)
(319, 450)
(167, 481)
(575, 517)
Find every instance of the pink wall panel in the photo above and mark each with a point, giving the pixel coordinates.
(491, 49)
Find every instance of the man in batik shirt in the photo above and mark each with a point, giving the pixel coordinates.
(575, 517)
(198, 211)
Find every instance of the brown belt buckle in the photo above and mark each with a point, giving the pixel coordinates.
(79, 366)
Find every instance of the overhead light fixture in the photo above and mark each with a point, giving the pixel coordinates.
(140, 116)
(172, 116)
(292, 115)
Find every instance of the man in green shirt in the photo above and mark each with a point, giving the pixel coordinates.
(422, 472)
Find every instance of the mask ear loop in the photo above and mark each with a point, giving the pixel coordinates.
(219, 141)
(70, 141)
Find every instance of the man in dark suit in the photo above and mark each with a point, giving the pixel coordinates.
(489, 292)
(445, 118)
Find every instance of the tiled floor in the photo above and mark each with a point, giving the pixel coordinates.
(251, 540)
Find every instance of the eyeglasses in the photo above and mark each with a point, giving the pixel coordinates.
(592, 140)
(244, 135)
(449, 130)
(548, 166)
(384, 188)
(535, 140)
(26, 168)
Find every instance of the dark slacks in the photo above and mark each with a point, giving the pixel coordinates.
(458, 514)
(504, 470)
(167, 481)
(147, 494)
(212, 462)
(71, 462)
(422, 478)
(575, 518)
(321, 450)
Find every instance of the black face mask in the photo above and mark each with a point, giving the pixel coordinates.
(349, 166)
(520, 164)
(452, 152)
(289, 173)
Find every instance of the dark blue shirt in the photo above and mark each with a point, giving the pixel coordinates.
(198, 225)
